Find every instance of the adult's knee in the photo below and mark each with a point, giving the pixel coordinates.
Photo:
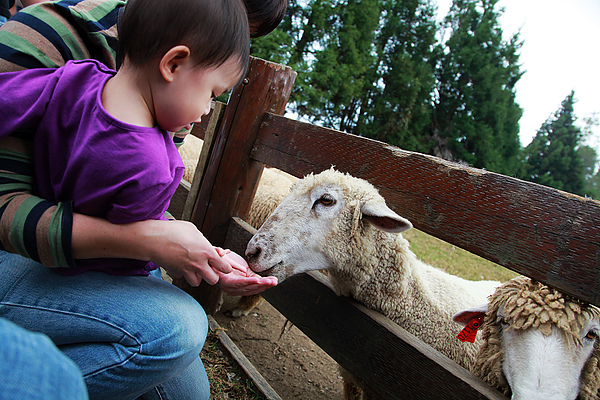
(184, 326)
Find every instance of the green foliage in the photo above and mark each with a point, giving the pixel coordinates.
(589, 160)
(476, 115)
(275, 47)
(333, 76)
(385, 69)
(552, 158)
(400, 102)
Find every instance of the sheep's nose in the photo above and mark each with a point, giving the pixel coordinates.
(252, 254)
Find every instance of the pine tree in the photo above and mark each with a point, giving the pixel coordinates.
(552, 157)
(334, 68)
(377, 68)
(364, 66)
(400, 105)
(476, 114)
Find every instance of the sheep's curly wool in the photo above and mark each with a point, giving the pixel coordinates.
(526, 304)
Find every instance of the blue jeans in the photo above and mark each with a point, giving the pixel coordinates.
(130, 336)
(31, 367)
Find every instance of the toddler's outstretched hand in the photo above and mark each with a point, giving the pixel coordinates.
(242, 281)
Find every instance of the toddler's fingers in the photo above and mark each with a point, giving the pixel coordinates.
(269, 280)
(222, 252)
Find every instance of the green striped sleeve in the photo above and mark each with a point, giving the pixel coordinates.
(30, 226)
(59, 235)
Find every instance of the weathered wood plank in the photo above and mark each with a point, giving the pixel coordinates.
(535, 230)
(229, 182)
(230, 171)
(209, 130)
(200, 128)
(392, 362)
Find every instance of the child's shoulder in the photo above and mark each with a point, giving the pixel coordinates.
(83, 75)
(89, 64)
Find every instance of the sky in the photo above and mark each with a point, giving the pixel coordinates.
(560, 53)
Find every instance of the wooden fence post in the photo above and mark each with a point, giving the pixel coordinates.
(224, 191)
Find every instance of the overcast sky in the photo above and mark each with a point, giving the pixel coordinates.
(561, 52)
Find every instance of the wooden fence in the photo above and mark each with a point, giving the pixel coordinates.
(547, 234)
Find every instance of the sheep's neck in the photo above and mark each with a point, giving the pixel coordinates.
(420, 287)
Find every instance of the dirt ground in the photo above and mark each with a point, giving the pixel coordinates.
(293, 365)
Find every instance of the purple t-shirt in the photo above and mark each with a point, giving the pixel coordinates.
(106, 167)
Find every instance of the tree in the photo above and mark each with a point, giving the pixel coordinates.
(400, 105)
(377, 68)
(476, 114)
(364, 67)
(282, 44)
(334, 73)
(552, 158)
(589, 162)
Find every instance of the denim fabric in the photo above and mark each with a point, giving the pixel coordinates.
(131, 336)
(31, 367)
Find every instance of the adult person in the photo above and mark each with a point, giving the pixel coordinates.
(165, 243)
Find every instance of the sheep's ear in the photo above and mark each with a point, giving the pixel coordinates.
(463, 317)
(382, 217)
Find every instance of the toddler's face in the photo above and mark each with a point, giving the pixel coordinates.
(189, 97)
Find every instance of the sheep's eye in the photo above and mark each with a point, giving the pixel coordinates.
(591, 335)
(327, 200)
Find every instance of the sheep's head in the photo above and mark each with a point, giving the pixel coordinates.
(319, 221)
(539, 343)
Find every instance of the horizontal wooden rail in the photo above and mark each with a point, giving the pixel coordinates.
(392, 362)
(544, 233)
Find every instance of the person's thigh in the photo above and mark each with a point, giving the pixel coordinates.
(126, 334)
(31, 367)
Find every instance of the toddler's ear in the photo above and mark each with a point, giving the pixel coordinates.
(172, 60)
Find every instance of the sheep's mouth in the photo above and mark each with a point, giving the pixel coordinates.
(267, 272)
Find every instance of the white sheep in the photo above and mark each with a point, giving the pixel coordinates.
(537, 343)
(341, 223)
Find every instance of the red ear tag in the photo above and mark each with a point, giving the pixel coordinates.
(470, 330)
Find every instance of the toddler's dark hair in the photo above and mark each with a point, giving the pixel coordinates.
(214, 30)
